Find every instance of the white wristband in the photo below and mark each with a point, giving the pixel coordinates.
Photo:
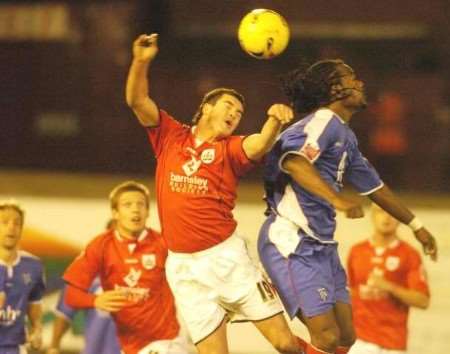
(415, 224)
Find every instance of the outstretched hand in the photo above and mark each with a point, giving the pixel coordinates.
(111, 301)
(145, 47)
(281, 112)
(428, 242)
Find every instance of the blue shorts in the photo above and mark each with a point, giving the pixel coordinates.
(311, 279)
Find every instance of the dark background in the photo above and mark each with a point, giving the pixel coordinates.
(63, 67)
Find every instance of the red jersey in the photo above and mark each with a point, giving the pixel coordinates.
(196, 185)
(378, 317)
(137, 267)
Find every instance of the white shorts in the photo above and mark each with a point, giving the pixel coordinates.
(178, 345)
(362, 347)
(218, 282)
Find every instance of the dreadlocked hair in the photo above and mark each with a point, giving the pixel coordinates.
(309, 87)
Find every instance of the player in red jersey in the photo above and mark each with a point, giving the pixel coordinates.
(198, 169)
(386, 277)
(129, 260)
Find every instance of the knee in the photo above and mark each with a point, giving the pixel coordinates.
(286, 345)
(348, 339)
(327, 339)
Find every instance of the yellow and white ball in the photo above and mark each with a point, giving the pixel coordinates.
(263, 33)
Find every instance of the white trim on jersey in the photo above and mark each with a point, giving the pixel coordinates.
(289, 208)
(293, 152)
(373, 189)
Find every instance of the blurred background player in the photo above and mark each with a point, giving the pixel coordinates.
(23, 286)
(130, 261)
(3, 274)
(198, 170)
(100, 335)
(386, 278)
(303, 178)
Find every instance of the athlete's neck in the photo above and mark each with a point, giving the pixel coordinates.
(383, 240)
(128, 235)
(344, 113)
(203, 131)
(7, 255)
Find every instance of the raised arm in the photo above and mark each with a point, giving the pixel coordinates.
(257, 145)
(306, 175)
(145, 48)
(387, 200)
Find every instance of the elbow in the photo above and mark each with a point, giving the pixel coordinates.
(423, 302)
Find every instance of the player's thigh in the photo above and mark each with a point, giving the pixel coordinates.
(343, 314)
(216, 342)
(321, 325)
(196, 301)
(276, 330)
(243, 289)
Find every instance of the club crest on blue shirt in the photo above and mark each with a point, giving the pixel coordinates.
(26, 278)
(148, 261)
(208, 156)
(311, 150)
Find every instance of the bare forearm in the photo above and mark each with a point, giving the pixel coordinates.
(306, 175)
(257, 145)
(137, 82)
(35, 315)
(409, 297)
(387, 200)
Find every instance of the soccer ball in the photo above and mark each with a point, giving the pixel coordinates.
(263, 33)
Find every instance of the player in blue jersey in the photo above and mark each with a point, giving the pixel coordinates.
(23, 286)
(304, 175)
(100, 335)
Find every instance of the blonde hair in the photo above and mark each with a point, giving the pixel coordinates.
(128, 186)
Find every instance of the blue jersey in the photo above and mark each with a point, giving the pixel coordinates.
(327, 142)
(99, 330)
(23, 284)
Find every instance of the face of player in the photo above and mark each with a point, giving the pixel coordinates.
(10, 228)
(131, 213)
(224, 116)
(352, 86)
(384, 223)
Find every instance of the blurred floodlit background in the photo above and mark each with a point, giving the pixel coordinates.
(67, 136)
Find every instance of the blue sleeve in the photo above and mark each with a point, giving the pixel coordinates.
(361, 174)
(311, 137)
(3, 275)
(63, 308)
(38, 290)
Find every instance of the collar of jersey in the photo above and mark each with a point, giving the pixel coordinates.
(16, 261)
(334, 114)
(393, 244)
(141, 237)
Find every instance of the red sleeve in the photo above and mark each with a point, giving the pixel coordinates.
(82, 271)
(158, 135)
(77, 298)
(240, 163)
(417, 278)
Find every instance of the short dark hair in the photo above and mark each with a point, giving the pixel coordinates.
(13, 205)
(128, 186)
(212, 97)
(309, 87)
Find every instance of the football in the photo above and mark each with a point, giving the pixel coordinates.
(263, 33)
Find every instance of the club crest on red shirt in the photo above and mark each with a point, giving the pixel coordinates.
(148, 261)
